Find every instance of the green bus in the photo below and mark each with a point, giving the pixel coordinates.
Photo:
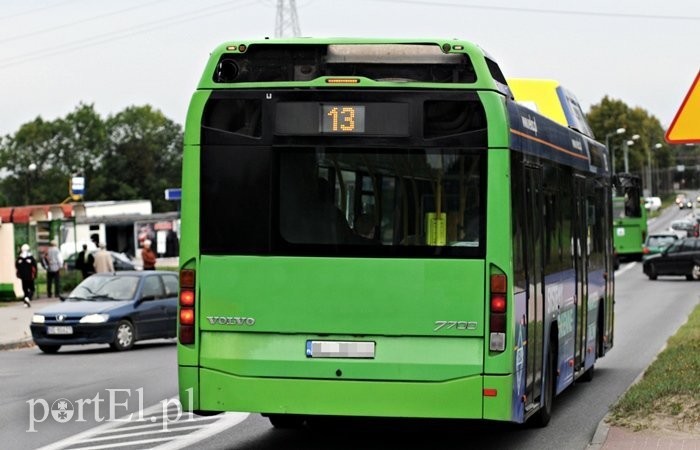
(376, 228)
(629, 217)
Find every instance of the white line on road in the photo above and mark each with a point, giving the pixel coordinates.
(227, 421)
(110, 430)
(627, 267)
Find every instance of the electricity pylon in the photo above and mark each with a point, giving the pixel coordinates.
(287, 20)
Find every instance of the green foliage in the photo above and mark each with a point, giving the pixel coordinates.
(139, 144)
(69, 280)
(671, 384)
(610, 114)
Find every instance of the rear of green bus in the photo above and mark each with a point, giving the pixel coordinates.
(630, 226)
(346, 245)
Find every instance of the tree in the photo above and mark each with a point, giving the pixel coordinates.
(610, 114)
(134, 154)
(145, 149)
(29, 158)
(82, 137)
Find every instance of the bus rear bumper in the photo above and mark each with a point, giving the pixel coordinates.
(460, 398)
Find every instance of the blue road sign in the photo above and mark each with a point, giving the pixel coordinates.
(173, 194)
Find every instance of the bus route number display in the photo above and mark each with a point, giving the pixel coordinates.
(342, 119)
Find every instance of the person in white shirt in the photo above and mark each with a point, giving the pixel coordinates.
(54, 263)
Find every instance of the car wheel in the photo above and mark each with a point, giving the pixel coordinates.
(652, 272)
(124, 336)
(50, 349)
(695, 274)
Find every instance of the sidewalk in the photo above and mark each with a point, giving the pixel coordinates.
(14, 322)
(617, 438)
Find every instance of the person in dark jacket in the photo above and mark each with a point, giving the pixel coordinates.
(26, 271)
(85, 262)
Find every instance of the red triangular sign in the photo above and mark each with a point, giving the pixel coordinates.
(685, 128)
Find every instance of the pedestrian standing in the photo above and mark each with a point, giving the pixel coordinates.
(25, 266)
(148, 256)
(103, 260)
(54, 262)
(85, 262)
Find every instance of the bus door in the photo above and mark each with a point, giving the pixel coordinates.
(534, 265)
(580, 241)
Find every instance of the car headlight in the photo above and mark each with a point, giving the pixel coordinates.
(38, 318)
(95, 318)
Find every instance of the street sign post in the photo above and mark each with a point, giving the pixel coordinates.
(77, 188)
(685, 128)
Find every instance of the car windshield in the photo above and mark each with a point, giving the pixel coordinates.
(106, 288)
(660, 241)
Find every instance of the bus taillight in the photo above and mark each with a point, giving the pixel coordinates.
(187, 314)
(497, 312)
(187, 298)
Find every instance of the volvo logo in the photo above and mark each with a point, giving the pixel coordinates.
(60, 317)
(230, 320)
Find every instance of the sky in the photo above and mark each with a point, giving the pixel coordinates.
(55, 54)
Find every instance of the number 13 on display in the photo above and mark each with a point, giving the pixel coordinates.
(343, 119)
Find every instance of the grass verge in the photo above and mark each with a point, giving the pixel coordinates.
(668, 395)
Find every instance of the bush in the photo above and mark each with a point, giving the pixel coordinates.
(7, 292)
(69, 280)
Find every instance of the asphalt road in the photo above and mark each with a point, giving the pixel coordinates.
(647, 313)
(143, 376)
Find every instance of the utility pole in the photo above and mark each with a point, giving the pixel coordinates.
(287, 20)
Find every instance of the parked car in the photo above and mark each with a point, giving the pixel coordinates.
(656, 242)
(119, 260)
(111, 308)
(684, 228)
(680, 258)
(652, 203)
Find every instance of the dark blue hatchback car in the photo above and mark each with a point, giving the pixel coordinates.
(111, 308)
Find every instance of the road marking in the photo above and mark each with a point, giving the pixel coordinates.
(121, 433)
(627, 267)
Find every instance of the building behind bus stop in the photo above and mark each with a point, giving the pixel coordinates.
(121, 225)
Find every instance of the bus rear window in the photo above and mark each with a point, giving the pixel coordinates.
(351, 202)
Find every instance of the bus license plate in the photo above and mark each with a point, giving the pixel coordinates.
(59, 330)
(339, 349)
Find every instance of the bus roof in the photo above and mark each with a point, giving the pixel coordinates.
(309, 62)
(552, 100)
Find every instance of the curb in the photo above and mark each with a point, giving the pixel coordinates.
(600, 435)
(602, 430)
(14, 345)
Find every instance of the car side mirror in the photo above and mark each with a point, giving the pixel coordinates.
(148, 297)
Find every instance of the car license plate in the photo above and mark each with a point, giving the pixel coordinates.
(59, 330)
(339, 349)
